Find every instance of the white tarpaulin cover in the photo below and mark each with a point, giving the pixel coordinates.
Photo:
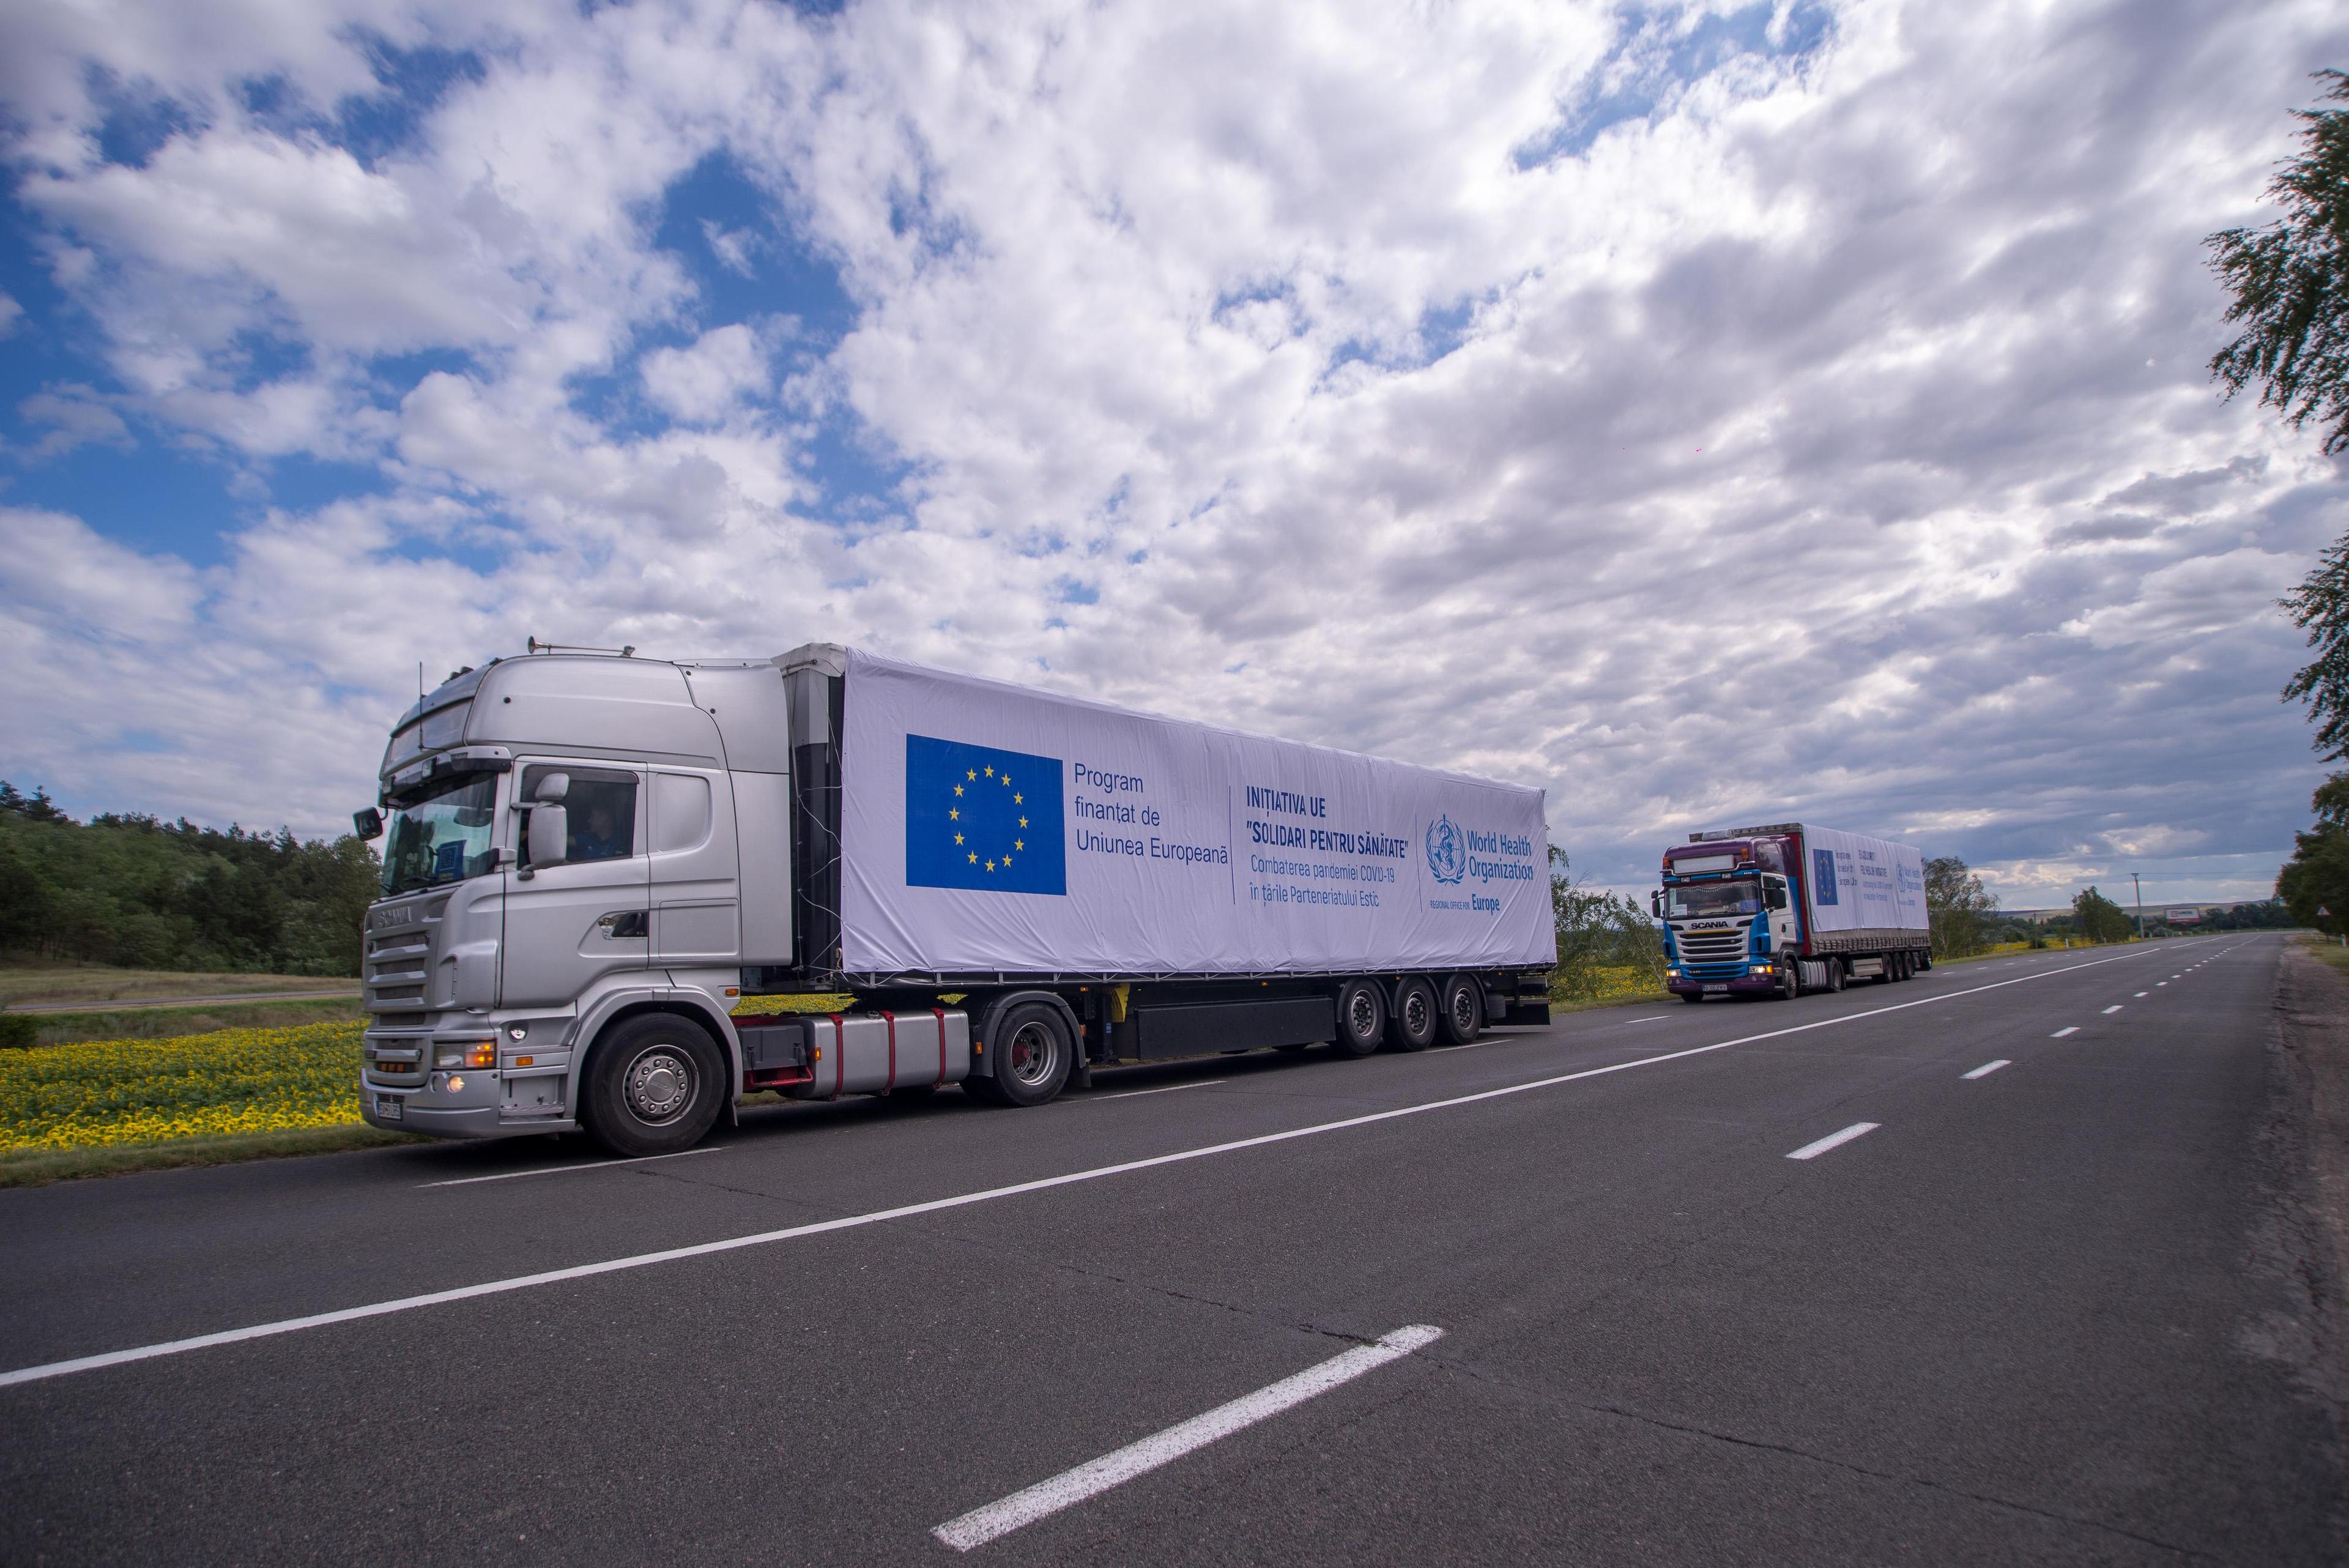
(988, 827)
(1860, 883)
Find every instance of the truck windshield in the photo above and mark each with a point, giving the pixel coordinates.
(1739, 898)
(443, 836)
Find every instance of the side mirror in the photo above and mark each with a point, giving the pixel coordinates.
(368, 824)
(1656, 903)
(1777, 896)
(552, 789)
(549, 833)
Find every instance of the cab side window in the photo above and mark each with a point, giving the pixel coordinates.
(603, 819)
(599, 809)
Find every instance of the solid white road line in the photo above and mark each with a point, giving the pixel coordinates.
(1169, 1089)
(1987, 1068)
(1046, 1498)
(1835, 1140)
(963, 1200)
(1651, 1018)
(2115, 1007)
(2067, 1029)
(587, 1165)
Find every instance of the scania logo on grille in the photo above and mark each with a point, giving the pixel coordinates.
(379, 919)
(1711, 926)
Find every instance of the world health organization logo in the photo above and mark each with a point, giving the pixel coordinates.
(1447, 850)
(982, 817)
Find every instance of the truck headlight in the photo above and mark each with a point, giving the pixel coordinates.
(1759, 967)
(483, 1053)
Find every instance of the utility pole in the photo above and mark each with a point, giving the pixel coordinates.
(2140, 905)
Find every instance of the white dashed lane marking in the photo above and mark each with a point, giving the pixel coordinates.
(2067, 1029)
(1987, 1068)
(1046, 1498)
(1835, 1140)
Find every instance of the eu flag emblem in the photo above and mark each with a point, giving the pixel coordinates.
(980, 817)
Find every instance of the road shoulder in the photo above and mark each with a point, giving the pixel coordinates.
(2308, 1170)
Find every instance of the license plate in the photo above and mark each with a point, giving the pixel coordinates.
(1708, 988)
(390, 1107)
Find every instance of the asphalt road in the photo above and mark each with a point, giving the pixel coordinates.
(2047, 1315)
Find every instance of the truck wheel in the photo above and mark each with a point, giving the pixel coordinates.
(1790, 985)
(655, 1085)
(1463, 1010)
(1362, 1018)
(1834, 974)
(1692, 997)
(1032, 1051)
(1413, 1025)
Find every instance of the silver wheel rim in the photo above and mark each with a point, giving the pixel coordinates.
(659, 1086)
(1032, 1052)
(1362, 1015)
(1415, 1013)
(1464, 1010)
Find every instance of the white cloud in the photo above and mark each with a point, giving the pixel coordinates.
(74, 416)
(702, 383)
(1790, 450)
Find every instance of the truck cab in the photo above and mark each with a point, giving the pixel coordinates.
(560, 852)
(1733, 924)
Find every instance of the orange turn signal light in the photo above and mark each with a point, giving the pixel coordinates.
(481, 1056)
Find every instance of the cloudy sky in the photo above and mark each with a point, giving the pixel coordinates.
(1705, 412)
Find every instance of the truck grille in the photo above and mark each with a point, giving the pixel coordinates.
(1712, 955)
(400, 939)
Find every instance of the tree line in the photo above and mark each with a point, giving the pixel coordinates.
(131, 890)
(2289, 283)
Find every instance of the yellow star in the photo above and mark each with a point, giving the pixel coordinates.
(1006, 784)
(957, 789)
(1018, 843)
(957, 838)
(1023, 822)
(968, 774)
(974, 859)
(1007, 860)
(990, 772)
(953, 815)
(1019, 800)
(990, 866)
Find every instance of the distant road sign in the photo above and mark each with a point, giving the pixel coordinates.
(2182, 917)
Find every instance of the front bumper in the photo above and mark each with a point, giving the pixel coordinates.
(483, 1108)
(1734, 985)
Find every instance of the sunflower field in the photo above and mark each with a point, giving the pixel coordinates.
(101, 1093)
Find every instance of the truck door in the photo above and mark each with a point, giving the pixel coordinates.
(696, 896)
(569, 925)
(1778, 906)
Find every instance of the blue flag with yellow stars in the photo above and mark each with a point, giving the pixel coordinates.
(980, 817)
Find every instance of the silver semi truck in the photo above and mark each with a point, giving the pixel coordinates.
(594, 864)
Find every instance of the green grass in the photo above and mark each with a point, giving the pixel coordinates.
(31, 982)
(39, 1166)
(170, 1022)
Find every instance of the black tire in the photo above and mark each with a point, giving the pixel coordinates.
(1692, 997)
(1834, 974)
(1030, 1048)
(1414, 1019)
(1790, 985)
(1924, 962)
(655, 1085)
(1362, 1018)
(1462, 1008)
